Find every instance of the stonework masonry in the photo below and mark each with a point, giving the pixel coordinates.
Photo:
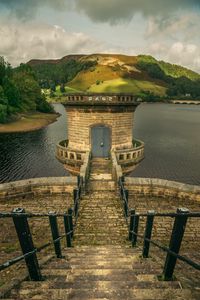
(80, 123)
(37, 186)
(163, 188)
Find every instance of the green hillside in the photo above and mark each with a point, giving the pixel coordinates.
(141, 75)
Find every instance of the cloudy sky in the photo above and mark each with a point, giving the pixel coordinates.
(168, 30)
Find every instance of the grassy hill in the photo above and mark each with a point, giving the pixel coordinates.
(141, 75)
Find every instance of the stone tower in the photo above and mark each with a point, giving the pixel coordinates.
(99, 124)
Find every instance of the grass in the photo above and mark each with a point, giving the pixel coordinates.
(127, 85)
(29, 122)
(85, 79)
(112, 81)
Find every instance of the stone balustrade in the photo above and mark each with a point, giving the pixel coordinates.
(132, 155)
(99, 99)
(65, 154)
(74, 161)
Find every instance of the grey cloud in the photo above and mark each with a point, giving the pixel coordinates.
(110, 11)
(26, 9)
(21, 42)
(182, 53)
(115, 10)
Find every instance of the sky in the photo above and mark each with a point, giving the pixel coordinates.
(34, 29)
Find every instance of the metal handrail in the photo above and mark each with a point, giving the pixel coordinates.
(124, 198)
(166, 249)
(20, 219)
(180, 221)
(181, 217)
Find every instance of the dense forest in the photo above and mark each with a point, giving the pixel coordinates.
(19, 91)
(51, 75)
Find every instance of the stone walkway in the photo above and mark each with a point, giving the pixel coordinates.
(101, 220)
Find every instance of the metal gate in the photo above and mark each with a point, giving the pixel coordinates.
(100, 141)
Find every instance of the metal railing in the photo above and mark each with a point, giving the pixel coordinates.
(180, 220)
(124, 197)
(29, 251)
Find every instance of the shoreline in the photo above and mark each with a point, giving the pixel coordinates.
(29, 122)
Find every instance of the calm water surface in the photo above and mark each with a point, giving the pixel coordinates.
(172, 146)
(32, 154)
(172, 141)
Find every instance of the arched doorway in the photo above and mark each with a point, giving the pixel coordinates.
(100, 141)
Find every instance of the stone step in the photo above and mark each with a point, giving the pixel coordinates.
(62, 282)
(100, 275)
(103, 293)
(102, 260)
(98, 185)
(105, 273)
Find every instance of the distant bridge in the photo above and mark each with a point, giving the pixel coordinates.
(185, 102)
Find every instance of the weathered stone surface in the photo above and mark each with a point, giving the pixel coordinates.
(101, 265)
(37, 186)
(100, 277)
(80, 123)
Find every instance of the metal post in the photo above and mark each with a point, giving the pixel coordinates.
(78, 180)
(76, 197)
(26, 243)
(75, 194)
(70, 216)
(135, 230)
(55, 233)
(148, 231)
(175, 242)
(132, 216)
(67, 230)
(126, 203)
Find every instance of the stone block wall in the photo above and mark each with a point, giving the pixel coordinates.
(166, 196)
(80, 123)
(37, 186)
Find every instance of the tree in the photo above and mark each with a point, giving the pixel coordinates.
(3, 98)
(62, 88)
(11, 92)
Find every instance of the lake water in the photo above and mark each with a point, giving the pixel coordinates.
(172, 146)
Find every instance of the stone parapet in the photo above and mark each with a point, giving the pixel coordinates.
(37, 186)
(99, 99)
(163, 188)
(129, 158)
(85, 169)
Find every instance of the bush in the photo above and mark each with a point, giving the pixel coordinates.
(98, 82)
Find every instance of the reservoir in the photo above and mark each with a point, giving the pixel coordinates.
(171, 134)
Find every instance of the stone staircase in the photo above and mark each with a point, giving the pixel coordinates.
(100, 175)
(101, 220)
(101, 272)
(101, 264)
